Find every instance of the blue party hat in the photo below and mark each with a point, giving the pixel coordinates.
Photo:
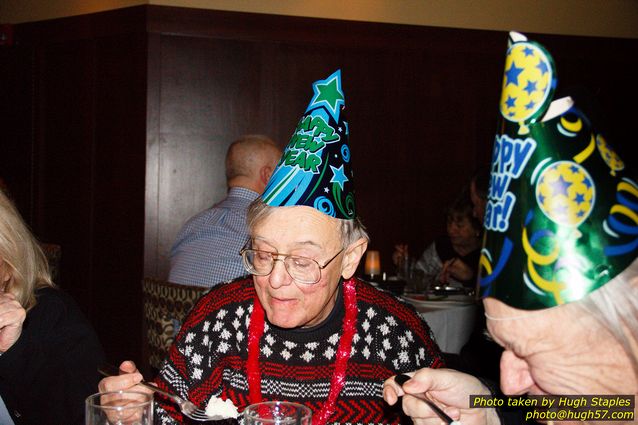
(315, 169)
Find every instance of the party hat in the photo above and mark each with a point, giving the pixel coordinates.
(315, 169)
(562, 213)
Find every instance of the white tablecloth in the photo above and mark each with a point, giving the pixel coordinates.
(451, 321)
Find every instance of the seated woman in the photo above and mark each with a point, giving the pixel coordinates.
(302, 328)
(48, 352)
(452, 259)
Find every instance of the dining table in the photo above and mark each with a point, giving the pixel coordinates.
(450, 318)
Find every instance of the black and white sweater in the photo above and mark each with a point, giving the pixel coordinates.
(210, 353)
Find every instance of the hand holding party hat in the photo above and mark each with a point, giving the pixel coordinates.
(562, 212)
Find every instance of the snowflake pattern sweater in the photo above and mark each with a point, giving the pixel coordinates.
(210, 352)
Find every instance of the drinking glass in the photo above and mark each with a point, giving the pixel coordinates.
(418, 281)
(277, 412)
(119, 408)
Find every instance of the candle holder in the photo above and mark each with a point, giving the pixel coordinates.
(372, 267)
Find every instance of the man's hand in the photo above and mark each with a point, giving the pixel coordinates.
(12, 316)
(456, 269)
(448, 388)
(127, 380)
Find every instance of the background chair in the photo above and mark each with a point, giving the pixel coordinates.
(166, 305)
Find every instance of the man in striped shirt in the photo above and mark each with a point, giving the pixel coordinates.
(206, 250)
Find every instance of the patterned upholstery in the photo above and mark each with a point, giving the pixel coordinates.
(166, 305)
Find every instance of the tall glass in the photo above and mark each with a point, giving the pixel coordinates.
(277, 412)
(119, 408)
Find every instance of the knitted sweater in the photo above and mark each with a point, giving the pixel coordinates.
(210, 352)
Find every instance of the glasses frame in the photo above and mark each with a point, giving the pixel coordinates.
(275, 257)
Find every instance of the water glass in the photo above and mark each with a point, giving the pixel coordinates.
(277, 412)
(119, 408)
(418, 281)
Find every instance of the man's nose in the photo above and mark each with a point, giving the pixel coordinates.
(279, 275)
(516, 377)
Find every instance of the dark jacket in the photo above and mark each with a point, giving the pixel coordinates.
(51, 369)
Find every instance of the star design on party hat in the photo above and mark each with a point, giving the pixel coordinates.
(338, 176)
(328, 93)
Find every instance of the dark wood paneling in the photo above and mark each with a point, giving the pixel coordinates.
(415, 114)
(16, 140)
(63, 160)
(422, 104)
(118, 192)
(88, 161)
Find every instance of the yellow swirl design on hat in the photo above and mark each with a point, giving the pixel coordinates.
(536, 258)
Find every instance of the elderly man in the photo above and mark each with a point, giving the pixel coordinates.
(205, 250)
(559, 266)
(302, 329)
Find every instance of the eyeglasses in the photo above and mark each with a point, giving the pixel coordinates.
(301, 269)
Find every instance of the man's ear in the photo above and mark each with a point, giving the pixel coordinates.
(264, 174)
(5, 273)
(352, 257)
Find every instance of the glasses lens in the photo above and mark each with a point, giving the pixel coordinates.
(303, 270)
(258, 262)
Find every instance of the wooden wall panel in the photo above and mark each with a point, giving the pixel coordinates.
(63, 160)
(16, 112)
(87, 159)
(118, 192)
(422, 104)
(413, 118)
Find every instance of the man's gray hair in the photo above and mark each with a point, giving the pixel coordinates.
(350, 230)
(615, 307)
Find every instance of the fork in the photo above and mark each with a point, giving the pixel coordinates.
(187, 408)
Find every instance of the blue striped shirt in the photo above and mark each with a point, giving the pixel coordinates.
(206, 250)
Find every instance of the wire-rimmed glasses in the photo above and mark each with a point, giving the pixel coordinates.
(301, 269)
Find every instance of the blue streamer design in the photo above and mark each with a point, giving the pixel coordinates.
(325, 205)
(506, 251)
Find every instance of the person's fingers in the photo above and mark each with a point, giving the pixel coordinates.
(120, 382)
(390, 395)
(127, 366)
(391, 391)
(429, 421)
(9, 303)
(126, 409)
(416, 408)
(6, 297)
(12, 314)
(426, 379)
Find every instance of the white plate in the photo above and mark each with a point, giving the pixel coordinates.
(439, 301)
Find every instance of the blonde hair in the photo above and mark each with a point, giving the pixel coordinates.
(22, 255)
